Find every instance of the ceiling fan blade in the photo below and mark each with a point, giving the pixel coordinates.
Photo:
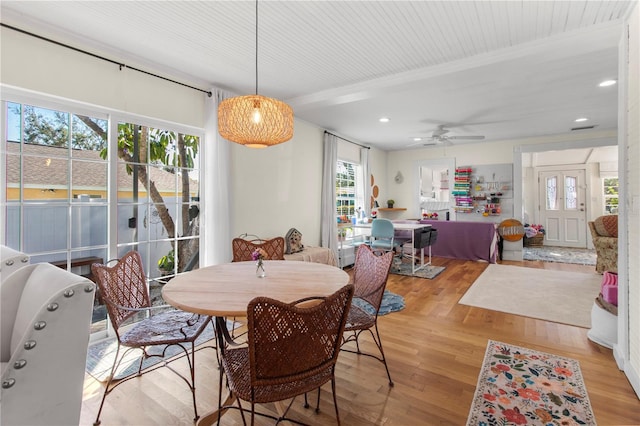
(466, 137)
(439, 131)
(426, 142)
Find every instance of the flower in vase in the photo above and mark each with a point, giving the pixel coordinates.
(374, 214)
(259, 254)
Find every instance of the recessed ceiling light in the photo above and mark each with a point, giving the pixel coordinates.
(607, 83)
(417, 139)
(384, 120)
(581, 119)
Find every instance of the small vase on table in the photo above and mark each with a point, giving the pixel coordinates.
(260, 272)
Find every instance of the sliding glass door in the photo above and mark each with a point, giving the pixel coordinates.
(76, 192)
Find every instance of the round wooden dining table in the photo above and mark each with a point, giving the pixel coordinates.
(225, 290)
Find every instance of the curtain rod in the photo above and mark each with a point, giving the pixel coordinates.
(347, 140)
(121, 65)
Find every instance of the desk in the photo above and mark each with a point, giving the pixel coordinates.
(413, 227)
(225, 290)
(465, 240)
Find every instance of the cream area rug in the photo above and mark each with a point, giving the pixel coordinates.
(558, 296)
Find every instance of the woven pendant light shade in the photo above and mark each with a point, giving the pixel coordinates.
(255, 121)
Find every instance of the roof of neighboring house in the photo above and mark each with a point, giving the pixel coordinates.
(47, 167)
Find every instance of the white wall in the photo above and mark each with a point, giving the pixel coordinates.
(278, 188)
(40, 66)
(628, 350)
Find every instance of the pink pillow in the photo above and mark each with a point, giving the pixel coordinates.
(609, 288)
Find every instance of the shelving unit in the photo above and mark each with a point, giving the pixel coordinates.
(492, 192)
(392, 209)
(462, 190)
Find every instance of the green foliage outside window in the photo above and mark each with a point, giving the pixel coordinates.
(611, 195)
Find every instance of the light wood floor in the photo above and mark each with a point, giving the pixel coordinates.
(434, 347)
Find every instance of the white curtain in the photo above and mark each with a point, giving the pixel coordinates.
(328, 228)
(215, 239)
(364, 165)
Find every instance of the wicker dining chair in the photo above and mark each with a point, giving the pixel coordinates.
(123, 288)
(292, 349)
(242, 248)
(370, 273)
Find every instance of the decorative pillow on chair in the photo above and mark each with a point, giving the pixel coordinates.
(294, 241)
(607, 226)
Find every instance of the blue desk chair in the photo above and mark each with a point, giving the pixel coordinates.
(382, 235)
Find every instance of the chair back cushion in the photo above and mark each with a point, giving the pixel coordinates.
(11, 261)
(607, 226)
(295, 341)
(124, 284)
(48, 347)
(10, 295)
(370, 273)
(242, 248)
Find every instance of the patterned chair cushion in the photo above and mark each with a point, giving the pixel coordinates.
(294, 241)
(607, 226)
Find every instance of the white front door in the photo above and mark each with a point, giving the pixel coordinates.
(562, 207)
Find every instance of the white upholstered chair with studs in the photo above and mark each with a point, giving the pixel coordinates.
(45, 322)
(10, 261)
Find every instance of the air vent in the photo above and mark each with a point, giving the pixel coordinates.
(584, 127)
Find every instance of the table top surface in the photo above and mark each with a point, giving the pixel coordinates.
(227, 289)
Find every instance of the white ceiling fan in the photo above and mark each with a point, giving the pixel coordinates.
(439, 136)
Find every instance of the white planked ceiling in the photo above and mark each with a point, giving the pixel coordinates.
(502, 69)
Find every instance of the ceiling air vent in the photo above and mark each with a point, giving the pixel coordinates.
(584, 127)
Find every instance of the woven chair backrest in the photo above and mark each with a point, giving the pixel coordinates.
(370, 273)
(123, 284)
(242, 249)
(295, 341)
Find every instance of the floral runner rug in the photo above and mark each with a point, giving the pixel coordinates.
(520, 386)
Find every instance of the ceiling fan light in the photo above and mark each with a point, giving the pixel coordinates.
(255, 121)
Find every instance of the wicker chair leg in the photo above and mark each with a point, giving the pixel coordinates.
(318, 402)
(378, 342)
(107, 389)
(335, 399)
(192, 385)
(306, 402)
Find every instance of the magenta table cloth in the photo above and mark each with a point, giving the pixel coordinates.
(465, 240)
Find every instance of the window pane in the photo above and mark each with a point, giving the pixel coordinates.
(130, 223)
(163, 181)
(89, 181)
(570, 193)
(44, 126)
(13, 177)
(45, 178)
(88, 134)
(46, 227)
(130, 183)
(611, 195)
(552, 193)
(345, 189)
(89, 225)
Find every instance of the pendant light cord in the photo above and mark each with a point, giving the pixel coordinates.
(256, 47)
